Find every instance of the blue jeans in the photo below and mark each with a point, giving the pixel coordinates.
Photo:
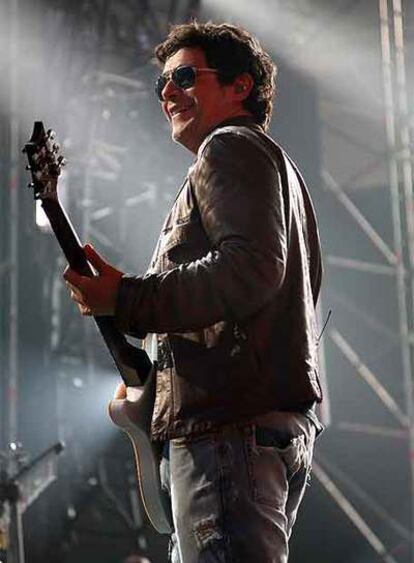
(235, 492)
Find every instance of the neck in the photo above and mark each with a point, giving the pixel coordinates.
(242, 114)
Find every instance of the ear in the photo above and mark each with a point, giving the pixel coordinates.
(243, 85)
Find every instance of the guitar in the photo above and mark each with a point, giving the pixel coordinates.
(132, 413)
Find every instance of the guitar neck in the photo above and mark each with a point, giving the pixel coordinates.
(133, 364)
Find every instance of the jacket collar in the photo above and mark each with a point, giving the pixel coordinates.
(240, 120)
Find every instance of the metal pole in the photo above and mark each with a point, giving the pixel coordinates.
(360, 265)
(361, 221)
(15, 553)
(369, 377)
(14, 153)
(405, 150)
(353, 515)
(406, 154)
(398, 114)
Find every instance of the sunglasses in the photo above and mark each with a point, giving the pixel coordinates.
(183, 77)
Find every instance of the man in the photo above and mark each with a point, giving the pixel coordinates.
(230, 295)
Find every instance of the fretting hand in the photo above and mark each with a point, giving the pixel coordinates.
(95, 296)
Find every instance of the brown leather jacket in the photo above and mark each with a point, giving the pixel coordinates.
(232, 288)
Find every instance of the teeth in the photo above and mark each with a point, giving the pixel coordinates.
(175, 111)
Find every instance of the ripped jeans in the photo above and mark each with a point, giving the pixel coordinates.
(235, 492)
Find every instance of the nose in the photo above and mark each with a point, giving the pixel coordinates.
(169, 91)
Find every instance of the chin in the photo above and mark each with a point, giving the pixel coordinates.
(182, 136)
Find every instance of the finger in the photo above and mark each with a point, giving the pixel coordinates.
(120, 391)
(85, 310)
(77, 298)
(75, 293)
(94, 258)
(74, 278)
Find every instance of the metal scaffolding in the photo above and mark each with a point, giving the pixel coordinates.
(400, 158)
(398, 268)
(12, 386)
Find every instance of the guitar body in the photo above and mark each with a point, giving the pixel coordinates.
(133, 416)
(133, 413)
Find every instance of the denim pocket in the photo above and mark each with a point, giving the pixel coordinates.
(274, 459)
(292, 450)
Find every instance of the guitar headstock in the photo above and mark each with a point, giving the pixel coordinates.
(45, 161)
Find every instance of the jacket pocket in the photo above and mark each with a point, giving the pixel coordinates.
(182, 242)
(174, 235)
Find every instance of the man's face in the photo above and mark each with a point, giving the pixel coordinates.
(195, 111)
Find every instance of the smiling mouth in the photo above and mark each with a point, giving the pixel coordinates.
(176, 112)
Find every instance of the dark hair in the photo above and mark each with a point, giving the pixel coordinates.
(232, 51)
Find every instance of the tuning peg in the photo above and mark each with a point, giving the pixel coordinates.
(30, 185)
(28, 167)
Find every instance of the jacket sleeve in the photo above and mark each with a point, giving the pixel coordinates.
(240, 199)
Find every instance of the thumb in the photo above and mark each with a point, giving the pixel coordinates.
(94, 258)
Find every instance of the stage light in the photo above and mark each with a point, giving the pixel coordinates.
(42, 222)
